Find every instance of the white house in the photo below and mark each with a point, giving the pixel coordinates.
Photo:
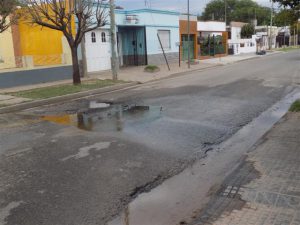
(212, 37)
(236, 43)
(267, 33)
(137, 37)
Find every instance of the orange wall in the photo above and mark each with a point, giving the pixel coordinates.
(183, 29)
(44, 44)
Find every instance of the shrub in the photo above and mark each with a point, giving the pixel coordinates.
(151, 68)
(247, 31)
(295, 107)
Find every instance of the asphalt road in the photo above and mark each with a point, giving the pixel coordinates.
(69, 164)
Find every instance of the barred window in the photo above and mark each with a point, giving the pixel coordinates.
(165, 38)
(93, 36)
(103, 36)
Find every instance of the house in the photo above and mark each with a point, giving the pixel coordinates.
(265, 35)
(185, 45)
(213, 38)
(139, 34)
(283, 37)
(7, 55)
(26, 45)
(237, 44)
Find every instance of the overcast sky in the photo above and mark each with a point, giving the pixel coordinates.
(197, 6)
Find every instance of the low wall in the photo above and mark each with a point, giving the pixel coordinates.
(35, 76)
(241, 46)
(158, 59)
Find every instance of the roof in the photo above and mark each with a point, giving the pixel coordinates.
(237, 24)
(146, 10)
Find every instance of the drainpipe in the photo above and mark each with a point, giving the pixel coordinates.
(189, 34)
(271, 30)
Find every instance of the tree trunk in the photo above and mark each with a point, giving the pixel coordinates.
(76, 71)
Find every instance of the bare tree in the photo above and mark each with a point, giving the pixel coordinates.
(7, 15)
(60, 15)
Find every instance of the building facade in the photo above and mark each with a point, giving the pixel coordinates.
(184, 43)
(213, 39)
(7, 59)
(142, 36)
(238, 45)
(25, 45)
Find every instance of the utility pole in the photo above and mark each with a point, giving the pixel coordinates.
(189, 34)
(271, 27)
(114, 58)
(225, 9)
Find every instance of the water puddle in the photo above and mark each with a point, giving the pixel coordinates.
(108, 118)
(180, 199)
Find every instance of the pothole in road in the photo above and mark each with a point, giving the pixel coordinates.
(108, 117)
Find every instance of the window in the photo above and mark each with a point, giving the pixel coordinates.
(165, 39)
(103, 37)
(93, 36)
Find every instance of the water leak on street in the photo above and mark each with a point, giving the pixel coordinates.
(108, 119)
(182, 198)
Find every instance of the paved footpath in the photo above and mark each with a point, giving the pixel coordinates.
(265, 189)
(129, 74)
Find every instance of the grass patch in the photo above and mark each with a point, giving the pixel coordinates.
(295, 107)
(152, 68)
(287, 49)
(60, 90)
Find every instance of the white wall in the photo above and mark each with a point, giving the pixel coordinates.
(249, 45)
(153, 46)
(211, 26)
(236, 33)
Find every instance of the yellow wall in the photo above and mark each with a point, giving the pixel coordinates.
(43, 44)
(7, 55)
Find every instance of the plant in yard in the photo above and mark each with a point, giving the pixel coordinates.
(7, 14)
(247, 31)
(61, 15)
(151, 68)
(295, 106)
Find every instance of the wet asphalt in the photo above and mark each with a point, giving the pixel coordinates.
(68, 164)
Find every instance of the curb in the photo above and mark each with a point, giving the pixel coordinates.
(118, 87)
(59, 99)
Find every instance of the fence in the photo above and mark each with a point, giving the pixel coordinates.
(213, 45)
(240, 46)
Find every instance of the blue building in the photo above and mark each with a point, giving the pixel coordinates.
(138, 42)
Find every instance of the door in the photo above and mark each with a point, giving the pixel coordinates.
(186, 45)
(133, 46)
(98, 52)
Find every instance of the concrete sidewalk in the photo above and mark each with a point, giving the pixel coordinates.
(130, 74)
(137, 74)
(238, 58)
(265, 189)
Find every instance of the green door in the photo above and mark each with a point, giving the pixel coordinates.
(186, 45)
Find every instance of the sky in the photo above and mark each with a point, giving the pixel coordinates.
(197, 6)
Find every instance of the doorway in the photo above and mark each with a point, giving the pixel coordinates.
(188, 45)
(132, 46)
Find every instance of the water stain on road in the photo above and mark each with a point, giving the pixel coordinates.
(115, 118)
(182, 198)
